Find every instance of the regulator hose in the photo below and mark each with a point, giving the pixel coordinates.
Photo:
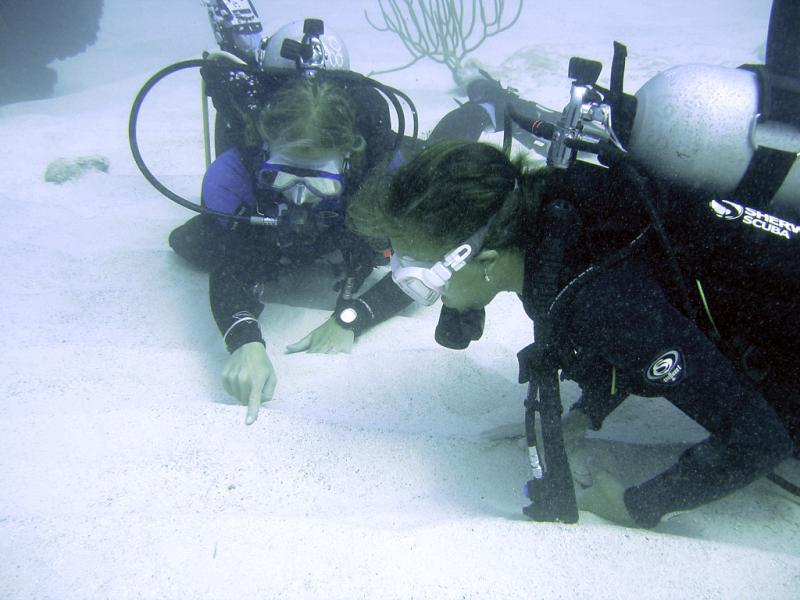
(137, 155)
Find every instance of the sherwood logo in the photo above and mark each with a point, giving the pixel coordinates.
(731, 211)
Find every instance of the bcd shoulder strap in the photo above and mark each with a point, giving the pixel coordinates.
(778, 98)
(551, 491)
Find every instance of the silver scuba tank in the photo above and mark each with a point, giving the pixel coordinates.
(698, 125)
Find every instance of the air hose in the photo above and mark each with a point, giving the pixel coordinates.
(137, 155)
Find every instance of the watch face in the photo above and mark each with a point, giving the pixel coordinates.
(348, 315)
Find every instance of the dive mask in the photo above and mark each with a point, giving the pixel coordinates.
(302, 181)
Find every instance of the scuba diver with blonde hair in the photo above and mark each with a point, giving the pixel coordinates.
(295, 136)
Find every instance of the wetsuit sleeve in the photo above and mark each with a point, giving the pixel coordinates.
(234, 289)
(242, 261)
(623, 318)
(381, 301)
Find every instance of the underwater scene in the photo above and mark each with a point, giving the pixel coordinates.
(400, 299)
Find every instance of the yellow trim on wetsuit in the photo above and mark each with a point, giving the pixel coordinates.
(705, 306)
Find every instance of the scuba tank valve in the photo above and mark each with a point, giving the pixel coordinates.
(585, 123)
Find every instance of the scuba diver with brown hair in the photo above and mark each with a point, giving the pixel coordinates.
(664, 265)
(465, 222)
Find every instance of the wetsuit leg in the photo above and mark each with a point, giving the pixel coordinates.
(760, 334)
(466, 122)
(781, 387)
(624, 318)
(199, 241)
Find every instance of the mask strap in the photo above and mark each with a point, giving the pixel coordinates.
(346, 165)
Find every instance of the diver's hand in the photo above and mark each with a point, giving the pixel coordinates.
(330, 337)
(605, 498)
(250, 377)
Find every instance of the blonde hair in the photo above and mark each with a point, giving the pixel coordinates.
(310, 118)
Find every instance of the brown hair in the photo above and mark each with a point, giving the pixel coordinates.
(447, 193)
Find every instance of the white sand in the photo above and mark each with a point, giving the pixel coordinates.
(125, 472)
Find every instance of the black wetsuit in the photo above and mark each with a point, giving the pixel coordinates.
(620, 308)
(241, 257)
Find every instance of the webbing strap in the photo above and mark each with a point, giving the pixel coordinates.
(768, 168)
(764, 176)
(551, 491)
